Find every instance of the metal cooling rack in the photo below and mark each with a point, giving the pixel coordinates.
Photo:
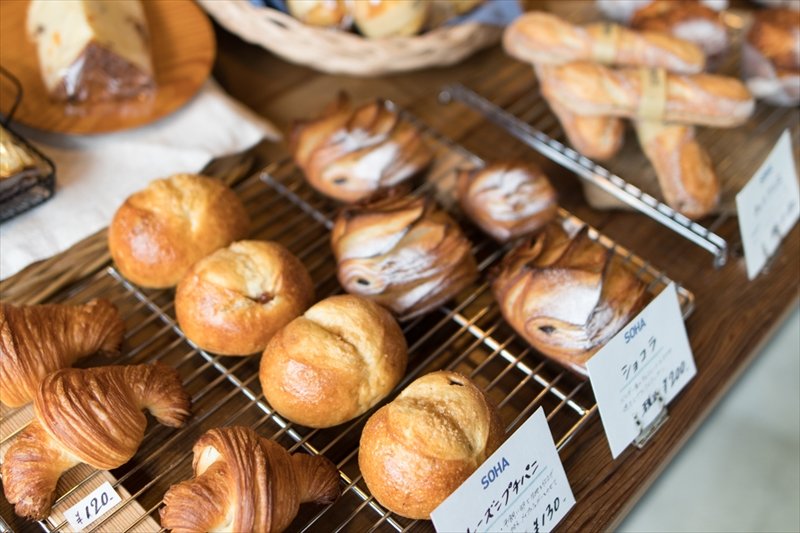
(512, 100)
(469, 335)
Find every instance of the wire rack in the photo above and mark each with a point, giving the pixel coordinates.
(468, 335)
(512, 99)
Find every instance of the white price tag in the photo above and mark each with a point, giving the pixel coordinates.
(521, 487)
(641, 369)
(768, 206)
(96, 504)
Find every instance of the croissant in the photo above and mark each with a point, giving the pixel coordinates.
(244, 482)
(567, 295)
(403, 253)
(91, 416)
(40, 339)
(353, 155)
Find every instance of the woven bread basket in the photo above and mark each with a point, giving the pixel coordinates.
(339, 52)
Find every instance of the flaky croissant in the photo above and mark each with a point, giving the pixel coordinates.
(404, 253)
(39, 339)
(244, 482)
(353, 154)
(91, 416)
(567, 295)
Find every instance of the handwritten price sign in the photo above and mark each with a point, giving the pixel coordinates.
(96, 504)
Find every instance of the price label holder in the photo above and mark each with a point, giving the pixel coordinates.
(521, 487)
(640, 370)
(768, 206)
(92, 507)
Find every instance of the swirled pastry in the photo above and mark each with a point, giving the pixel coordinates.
(567, 295)
(91, 416)
(353, 154)
(38, 339)
(406, 254)
(244, 482)
(507, 200)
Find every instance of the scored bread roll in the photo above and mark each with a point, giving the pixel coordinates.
(683, 167)
(771, 57)
(160, 231)
(418, 449)
(406, 254)
(233, 301)
(390, 18)
(546, 39)
(691, 21)
(507, 200)
(344, 355)
(706, 99)
(567, 295)
(352, 154)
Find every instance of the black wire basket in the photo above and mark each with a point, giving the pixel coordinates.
(33, 184)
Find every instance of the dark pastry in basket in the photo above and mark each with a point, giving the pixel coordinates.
(418, 449)
(507, 200)
(344, 355)
(91, 416)
(567, 295)
(354, 154)
(233, 301)
(39, 339)
(162, 230)
(92, 50)
(771, 56)
(27, 178)
(688, 20)
(245, 482)
(404, 253)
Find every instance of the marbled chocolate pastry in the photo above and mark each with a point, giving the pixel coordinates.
(507, 200)
(406, 254)
(353, 154)
(567, 295)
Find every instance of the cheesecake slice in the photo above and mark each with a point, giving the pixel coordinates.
(92, 50)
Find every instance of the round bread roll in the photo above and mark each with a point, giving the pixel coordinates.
(390, 18)
(416, 450)
(326, 13)
(233, 301)
(507, 200)
(160, 231)
(344, 355)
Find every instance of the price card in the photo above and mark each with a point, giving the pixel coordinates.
(96, 504)
(768, 206)
(641, 369)
(521, 487)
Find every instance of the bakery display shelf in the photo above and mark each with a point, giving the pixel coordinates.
(512, 100)
(467, 335)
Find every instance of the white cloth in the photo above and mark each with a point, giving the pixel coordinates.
(94, 174)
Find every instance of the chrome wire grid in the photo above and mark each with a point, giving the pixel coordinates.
(467, 335)
(512, 99)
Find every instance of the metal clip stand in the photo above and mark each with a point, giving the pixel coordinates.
(647, 432)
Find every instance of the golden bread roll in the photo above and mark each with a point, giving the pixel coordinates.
(244, 482)
(390, 18)
(404, 253)
(326, 13)
(771, 56)
(706, 99)
(567, 295)
(691, 21)
(344, 355)
(543, 38)
(418, 449)
(507, 200)
(233, 301)
(353, 154)
(160, 231)
(36, 340)
(91, 416)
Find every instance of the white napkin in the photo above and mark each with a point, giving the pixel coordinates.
(94, 174)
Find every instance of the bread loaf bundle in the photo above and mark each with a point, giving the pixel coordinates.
(334, 363)
(404, 253)
(244, 482)
(418, 449)
(567, 295)
(39, 339)
(91, 416)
